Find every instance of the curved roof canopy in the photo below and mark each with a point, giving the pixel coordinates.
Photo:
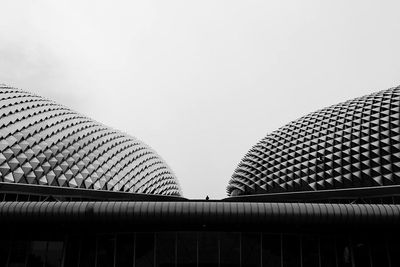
(165, 215)
(348, 145)
(44, 143)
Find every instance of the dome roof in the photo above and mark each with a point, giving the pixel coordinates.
(47, 144)
(352, 144)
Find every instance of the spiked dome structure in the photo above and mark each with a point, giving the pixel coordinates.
(44, 143)
(78, 184)
(349, 145)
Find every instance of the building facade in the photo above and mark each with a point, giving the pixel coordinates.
(322, 191)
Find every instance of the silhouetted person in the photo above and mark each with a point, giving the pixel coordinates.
(207, 198)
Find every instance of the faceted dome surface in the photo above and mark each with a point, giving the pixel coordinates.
(352, 144)
(44, 143)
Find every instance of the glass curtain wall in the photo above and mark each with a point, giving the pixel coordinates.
(196, 249)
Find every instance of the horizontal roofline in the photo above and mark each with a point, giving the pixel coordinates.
(321, 195)
(89, 194)
(110, 216)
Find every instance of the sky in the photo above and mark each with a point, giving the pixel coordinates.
(199, 81)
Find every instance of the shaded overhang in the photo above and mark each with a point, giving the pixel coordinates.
(58, 192)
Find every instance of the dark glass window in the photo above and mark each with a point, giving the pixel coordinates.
(4, 251)
(230, 249)
(72, 251)
(196, 249)
(165, 249)
(125, 250)
(379, 252)
(144, 249)
(88, 251)
(105, 251)
(271, 250)
(208, 249)
(54, 253)
(291, 251)
(310, 251)
(37, 253)
(344, 252)
(18, 253)
(327, 251)
(361, 252)
(251, 250)
(187, 249)
(393, 245)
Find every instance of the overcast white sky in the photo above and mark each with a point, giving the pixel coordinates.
(200, 81)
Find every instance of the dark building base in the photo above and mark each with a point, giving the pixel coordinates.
(208, 248)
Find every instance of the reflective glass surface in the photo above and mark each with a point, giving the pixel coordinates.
(144, 249)
(186, 249)
(291, 251)
(310, 251)
(18, 254)
(327, 251)
(251, 250)
(37, 253)
(125, 249)
(271, 250)
(88, 251)
(105, 251)
(208, 249)
(165, 249)
(229, 249)
(196, 249)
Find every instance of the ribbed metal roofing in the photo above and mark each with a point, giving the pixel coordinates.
(197, 214)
